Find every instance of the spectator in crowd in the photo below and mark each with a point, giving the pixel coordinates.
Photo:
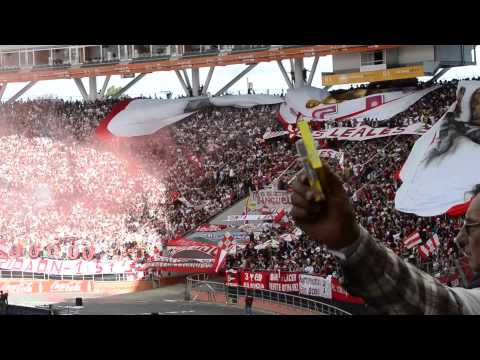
(248, 302)
(3, 303)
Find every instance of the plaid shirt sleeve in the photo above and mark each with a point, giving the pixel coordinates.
(392, 286)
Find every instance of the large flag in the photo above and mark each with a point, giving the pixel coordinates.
(223, 248)
(358, 103)
(412, 240)
(141, 117)
(442, 168)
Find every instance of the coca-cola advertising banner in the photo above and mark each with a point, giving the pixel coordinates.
(283, 281)
(67, 267)
(48, 286)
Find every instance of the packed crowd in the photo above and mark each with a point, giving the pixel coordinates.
(369, 170)
(60, 185)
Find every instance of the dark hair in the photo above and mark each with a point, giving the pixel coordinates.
(476, 190)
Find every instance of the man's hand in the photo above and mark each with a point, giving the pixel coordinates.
(331, 221)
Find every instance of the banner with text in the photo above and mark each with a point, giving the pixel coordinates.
(315, 286)
(362, 133)
(283, 281)
(67, 267)
(272, 199)
(47, 286)
(169, 264)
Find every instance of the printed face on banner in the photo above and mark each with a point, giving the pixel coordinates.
(437, 175)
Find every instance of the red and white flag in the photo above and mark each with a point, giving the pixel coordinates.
(429, 247)
(424, 251)
(281, 215)
(223, 247)
(412, 240)
(433, 243)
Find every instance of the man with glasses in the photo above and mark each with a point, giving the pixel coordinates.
(387, 283)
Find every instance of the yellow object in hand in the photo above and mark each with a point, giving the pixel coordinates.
(309, 154)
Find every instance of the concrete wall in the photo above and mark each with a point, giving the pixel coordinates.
(346, 62)
(415, 54)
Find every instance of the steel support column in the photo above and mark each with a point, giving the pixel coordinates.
(195, 81)
(312, 70)
(104, 87)
(235, 79)
(182, 82)
(2, 90)
(285, 75)
(21, 92)
(299, 82)
(81, 88)
(207, 82)
(187, 80)
(128, 86)
(92, 80)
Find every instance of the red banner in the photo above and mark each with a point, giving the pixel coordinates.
(47, 286)
(232, 278)
(283, 281)
(254, 280)
(339, 294)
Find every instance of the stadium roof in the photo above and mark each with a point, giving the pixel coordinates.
(21, 47)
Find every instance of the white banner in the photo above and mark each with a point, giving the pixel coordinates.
(361, 133)
(249, 217)
(315, 286)
(272, 199)
(245, 101)
(381, 106)
(442, 168)
(67, 267)
(140, 117)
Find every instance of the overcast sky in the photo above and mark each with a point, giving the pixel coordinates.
(264, 76)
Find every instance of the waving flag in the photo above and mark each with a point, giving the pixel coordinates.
(430, 246)
(412, 240)
(223, 248)
(442, 168)
(359, 104)
(142, 117)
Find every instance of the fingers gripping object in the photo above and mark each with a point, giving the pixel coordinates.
(312, 163)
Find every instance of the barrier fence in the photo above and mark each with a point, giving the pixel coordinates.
(200, 283)
(9, 274)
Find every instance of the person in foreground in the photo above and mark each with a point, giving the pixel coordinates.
(388, 284)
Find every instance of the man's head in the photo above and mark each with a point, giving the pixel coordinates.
(468, 238)
(475, 108)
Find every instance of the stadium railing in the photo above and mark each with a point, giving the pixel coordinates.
(200, 283)
(9, 274)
